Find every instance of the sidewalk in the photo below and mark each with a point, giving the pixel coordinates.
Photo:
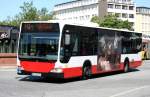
(8, 66)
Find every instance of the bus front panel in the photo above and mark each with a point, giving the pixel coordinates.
(38, 46)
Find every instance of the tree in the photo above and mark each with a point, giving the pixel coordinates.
(28, 13)
(96, 19)
(112, 21)
(44, 15)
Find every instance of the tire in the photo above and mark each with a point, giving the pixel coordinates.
(86, 72)
(44, 76)
(126, 67)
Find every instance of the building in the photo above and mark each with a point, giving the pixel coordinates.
(142, 23)
(8, 44)
(125, 9)
(84, 10)
(78, 10)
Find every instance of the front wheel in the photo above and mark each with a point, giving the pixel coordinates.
(86, 74)
(126, 67)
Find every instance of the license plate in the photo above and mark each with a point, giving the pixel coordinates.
(36, 74)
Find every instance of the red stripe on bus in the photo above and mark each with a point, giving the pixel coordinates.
(77, 71)
(45, 67)
(72, 72)
(135, 64)
(41, 67)
(97, 71)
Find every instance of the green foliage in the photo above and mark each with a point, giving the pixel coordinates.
(28, 13)
(111, 21)
(96, 19)
(44, 15)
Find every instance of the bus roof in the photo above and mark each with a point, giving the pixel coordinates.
(85, 24)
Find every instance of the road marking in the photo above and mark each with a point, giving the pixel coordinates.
(129, 91)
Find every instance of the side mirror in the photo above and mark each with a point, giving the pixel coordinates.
(67, 39)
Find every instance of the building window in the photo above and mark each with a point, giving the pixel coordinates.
(131, 7)
(124, 7)
(131, 15)
(118, 6)
(110, 6)
(110, 13)
(118, 15)
(124, 1)
(124, 15)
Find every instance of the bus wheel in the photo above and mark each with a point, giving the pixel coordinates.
(86, 72)
(126, 66)
(44, 76)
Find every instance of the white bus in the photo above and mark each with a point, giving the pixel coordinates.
(62, 50)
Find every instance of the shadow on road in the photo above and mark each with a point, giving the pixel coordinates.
(31, 78)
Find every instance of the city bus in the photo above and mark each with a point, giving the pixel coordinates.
(59, 49)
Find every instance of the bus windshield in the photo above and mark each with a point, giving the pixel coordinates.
(39, 44)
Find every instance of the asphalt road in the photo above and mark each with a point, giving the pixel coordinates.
(132, 84)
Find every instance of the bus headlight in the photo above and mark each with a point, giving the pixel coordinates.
(57, 70)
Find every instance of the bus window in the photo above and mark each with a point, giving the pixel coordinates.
(89, 37)
(39, 41)
(131, 43)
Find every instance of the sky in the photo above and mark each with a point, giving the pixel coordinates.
(9, 8)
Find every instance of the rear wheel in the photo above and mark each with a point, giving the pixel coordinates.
(86, 72)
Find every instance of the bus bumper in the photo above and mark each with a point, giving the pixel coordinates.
(53, 75)
(22, 72)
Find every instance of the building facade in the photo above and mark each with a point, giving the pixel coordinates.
(125, 9)
(84, 10)
(8, 39)
(77, 11)
(8, 45)
(142, 23)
